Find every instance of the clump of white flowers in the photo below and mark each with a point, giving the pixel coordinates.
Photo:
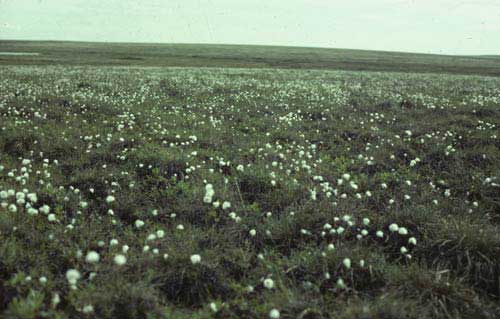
(209, 194)
(92, 257)
(72, 276)
(195, 259)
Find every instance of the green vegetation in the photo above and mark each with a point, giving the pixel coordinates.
(241, 56)
(132, 192)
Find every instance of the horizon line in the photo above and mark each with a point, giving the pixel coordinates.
(242, 44)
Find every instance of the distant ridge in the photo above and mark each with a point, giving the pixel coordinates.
(240, 56)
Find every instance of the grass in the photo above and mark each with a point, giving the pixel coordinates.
(241, 56)
(311, 171)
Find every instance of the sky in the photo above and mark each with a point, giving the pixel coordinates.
(427, 26)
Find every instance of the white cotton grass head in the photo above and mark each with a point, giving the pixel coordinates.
(393, 227)
(213, 307)
(340, 283)
(139, 223)
(195, 259)
(120, 259)
(412, 241)
(209, 193)
(347, 263)
(110, 199)
(72, 276)
(92, 257)
(269, 283)
(403, 231)
(88, 309)
(56, 299)
(274, 314)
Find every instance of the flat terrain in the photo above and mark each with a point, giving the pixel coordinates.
(234, 56)
(155, 192)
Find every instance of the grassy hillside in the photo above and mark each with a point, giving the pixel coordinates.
(246, 193)
(201, 55)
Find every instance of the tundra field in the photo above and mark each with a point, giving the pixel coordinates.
(155, 192)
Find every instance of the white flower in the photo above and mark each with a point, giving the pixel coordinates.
(32, 197)
(412, 241)
(12, 208)
(240, 168)
(331, 247)
(92, 257)
(160, 233)
(403, 250)
(253, 232)
(195, 259)
(226, 205)
(274, 314)
(55, 300)
(88, 309)
(125, 248)
(209, 193)
(72, 275)
(403, 231)
(347, 263)
(269, 283)
(110, 199)
(213, 307)
(45, 209)
(120, 260)
(380, 234)
(313, 194)
(52, 218)
(139, 223)
(113, 242)
(340, 283)
(393, 227)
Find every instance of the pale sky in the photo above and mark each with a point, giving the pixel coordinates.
(429, 26)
